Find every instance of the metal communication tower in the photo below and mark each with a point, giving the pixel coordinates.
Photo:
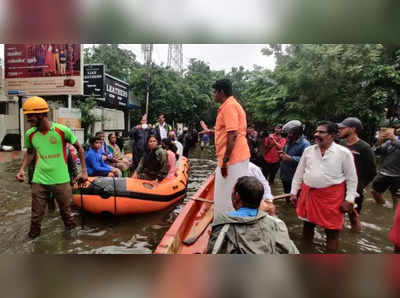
(175, 57)
(147, 50)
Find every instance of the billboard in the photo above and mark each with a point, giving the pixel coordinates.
(93, 81)
(116, 92)
(44, 69)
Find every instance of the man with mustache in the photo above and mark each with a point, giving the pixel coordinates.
(327, 178)
(46, 142)
(364, 159)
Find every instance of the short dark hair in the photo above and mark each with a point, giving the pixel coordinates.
(99, 133)
(250, 190)
(93, 140)
(331, 127)
(169, 145)
(224, 85)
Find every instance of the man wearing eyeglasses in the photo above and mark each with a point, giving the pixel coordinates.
(327, 178)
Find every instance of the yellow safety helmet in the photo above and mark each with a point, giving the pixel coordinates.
(35, 105)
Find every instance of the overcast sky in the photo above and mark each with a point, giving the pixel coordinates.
(218, 56)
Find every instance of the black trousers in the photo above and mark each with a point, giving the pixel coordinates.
(269, 170)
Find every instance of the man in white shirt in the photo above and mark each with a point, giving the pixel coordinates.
(266, 204)
(327, 178)
(162, 128)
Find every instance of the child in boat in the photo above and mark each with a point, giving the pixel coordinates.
(95, 163)
(172, 157)
(248, 230)
(154, 163)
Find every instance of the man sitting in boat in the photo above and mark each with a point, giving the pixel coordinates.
(172, 157)
(154, 163)
(95, 163)
(105, 153)
(248, 230)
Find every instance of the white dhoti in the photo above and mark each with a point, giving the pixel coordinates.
(224, 186)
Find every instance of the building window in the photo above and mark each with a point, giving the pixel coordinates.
(3, 108)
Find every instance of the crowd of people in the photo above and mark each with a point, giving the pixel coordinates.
(325, 179)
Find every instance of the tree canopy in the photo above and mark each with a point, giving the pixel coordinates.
(311, 82)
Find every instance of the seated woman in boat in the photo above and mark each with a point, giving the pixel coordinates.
(248, 230)
(119, 161)
(95, 163)
(154, 163)
(172, 157)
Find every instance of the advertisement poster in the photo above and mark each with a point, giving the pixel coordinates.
(93, 84)
(69, 117)
(44, 69)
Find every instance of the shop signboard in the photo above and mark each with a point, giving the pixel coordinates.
(116, 93)
(93, 84)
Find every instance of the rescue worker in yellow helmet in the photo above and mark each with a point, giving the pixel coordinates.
(46, 142)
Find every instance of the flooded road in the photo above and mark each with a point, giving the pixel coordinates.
(138, 234)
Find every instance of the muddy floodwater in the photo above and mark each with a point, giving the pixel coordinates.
(140, 234)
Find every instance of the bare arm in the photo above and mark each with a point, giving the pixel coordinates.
(28, 157)
(229, 148)
(83, 176)
(232, 135)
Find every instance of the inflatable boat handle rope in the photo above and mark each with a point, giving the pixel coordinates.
(101, 188)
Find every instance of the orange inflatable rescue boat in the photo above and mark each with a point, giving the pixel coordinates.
(121, 196)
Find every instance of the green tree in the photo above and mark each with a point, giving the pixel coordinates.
(87, 117)
(118, 62)
(332, 82)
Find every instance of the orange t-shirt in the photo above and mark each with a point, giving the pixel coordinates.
(231, 117)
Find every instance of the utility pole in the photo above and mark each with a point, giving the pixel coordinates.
(175, 57)
(147, 50)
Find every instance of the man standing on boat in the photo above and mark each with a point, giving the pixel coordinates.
(46, 142)
(231, 145)
(364, 159)
(327, 178)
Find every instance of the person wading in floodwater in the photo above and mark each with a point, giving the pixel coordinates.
(364, 159)
(46, 142)
(327, 178)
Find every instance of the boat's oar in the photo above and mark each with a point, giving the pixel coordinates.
(196, 232)
(282, 196)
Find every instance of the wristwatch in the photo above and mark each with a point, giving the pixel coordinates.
(225, 159)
